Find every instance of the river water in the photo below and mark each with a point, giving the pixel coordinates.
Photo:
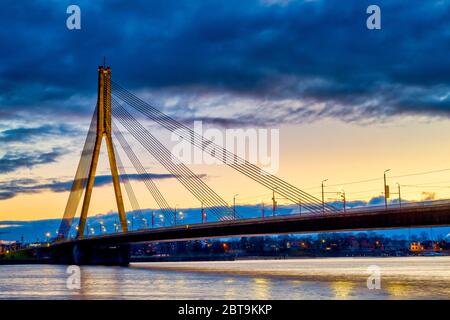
(324, 278)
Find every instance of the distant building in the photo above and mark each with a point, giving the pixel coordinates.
(416, 247)
(6, 246)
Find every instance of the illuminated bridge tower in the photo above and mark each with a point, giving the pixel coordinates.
(103, 131)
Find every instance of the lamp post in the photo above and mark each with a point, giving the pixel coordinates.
(234, 206)
(386, 188)
(262, 209)
(145, 223)
(344, 200)
(399, 195)
(323, 196)
(153, 219)
(175, 215)
(274, 203)
(181, 217)
(203, 213)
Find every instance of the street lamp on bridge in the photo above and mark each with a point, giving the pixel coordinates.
(274, 202)
(145, 223)
(153, 219)
(234, 206)
(262, 209)
(175, 215)
(323, 196)
(386, 188)
(203, 213)
(344, 201)
(399, 195)
(181, 217)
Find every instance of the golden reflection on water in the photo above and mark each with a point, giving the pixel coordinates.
(398, 290)
(261, 288)
(231, 294)
(230, 289)
(93, 284)
(342, 289)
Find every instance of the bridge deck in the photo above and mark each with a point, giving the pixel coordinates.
(414, 216)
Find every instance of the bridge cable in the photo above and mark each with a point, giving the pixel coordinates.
(180, 171)
(191, 181)
(125, 179)
(148, 181)
(305, 204)
(80, 180)
(180, 175)
(272, 182)
(228, 157)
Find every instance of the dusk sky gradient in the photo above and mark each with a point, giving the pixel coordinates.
(349, 102)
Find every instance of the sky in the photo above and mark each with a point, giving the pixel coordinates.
(348, 102)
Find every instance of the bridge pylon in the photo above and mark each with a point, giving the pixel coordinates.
(103, 131)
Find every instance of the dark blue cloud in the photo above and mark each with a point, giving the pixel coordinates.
(26, 134)
(320, 51)
(10, 189)
(14, 160)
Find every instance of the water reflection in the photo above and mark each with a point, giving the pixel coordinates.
(342, 289)
(231, 291)
(402, 278)
(398, 290)
(261, 288)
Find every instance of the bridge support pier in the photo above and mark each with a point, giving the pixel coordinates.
(102, 254)
(87, 254)
(110, 255)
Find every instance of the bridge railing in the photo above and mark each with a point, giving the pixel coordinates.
(366, 209)
(404, 205)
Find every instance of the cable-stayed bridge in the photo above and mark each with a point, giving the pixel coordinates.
(113, 116)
